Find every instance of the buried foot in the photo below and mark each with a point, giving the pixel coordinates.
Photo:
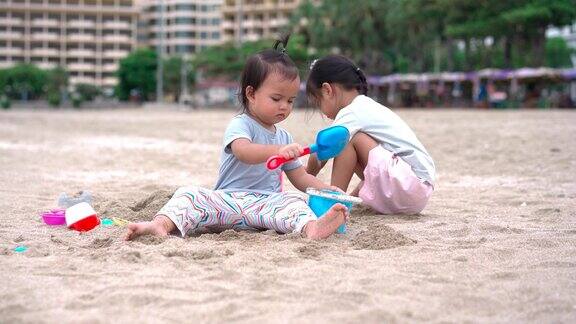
(326, 225)
(160, 226)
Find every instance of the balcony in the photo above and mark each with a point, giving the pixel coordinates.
(81, 24)
(227, 24)
(110, 68)
(46, 65)
(11, 51)
(45, 36)
(10, 22)
(278, 22)
(45, 22)
(252, 37)
(117, 25)
(43, 52)
(4, 64)
(81, 53)
(81, 79)
(115, 54)
(109, 81)
(81, 67)
(81, 38)
(10, 35)
(117, 39)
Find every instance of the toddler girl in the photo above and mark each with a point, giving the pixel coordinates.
(397, 172)
(247, 195)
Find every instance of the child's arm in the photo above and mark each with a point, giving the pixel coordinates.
(302, 180)
(314, 165)
(251, 153)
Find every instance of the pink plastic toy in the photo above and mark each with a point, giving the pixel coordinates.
(54, 217)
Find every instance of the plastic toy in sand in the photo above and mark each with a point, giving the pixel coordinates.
(64, 201)
(329, 143)
(54, 217)
(20, 249)
(107, 222)
(120, 222)
(81, 217)
(321, 200)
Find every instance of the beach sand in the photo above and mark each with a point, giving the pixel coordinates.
(497, 242)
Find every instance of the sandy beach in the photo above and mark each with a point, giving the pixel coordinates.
(497, 242)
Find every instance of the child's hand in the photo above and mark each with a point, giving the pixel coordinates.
(291, 151)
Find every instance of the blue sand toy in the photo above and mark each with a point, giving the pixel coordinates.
(321, 200)
(329, 143)
(20, 249)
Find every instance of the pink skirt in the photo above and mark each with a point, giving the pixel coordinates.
(391, 187)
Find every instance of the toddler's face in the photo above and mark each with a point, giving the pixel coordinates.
(274, 100)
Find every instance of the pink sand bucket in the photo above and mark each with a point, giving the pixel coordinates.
(54, 217)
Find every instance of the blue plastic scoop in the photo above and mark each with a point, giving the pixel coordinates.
(329, 143)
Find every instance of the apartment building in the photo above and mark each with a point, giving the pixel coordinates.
(260, 18)
(189, 25)
(86, 37)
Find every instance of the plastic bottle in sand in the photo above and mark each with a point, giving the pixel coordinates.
(83, 196)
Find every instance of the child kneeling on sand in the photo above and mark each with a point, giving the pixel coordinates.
(247, 195)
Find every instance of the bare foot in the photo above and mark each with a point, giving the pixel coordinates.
(327, 224)
(160, 226)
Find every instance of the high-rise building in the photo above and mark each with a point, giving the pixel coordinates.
(259, 18)
(189, 25)
(86, 37)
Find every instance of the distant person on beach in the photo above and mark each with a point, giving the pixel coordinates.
(247, 195)
(397, 172)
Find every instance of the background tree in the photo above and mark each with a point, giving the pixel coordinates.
(24, 81)
(173, 76)
(390, 36)
(57, 85)
(137, 72)
(87, 92)
(227, 60)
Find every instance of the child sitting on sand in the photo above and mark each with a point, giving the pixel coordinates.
(397, 172)
(248, 195)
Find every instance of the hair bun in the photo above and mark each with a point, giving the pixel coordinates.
(283, 39)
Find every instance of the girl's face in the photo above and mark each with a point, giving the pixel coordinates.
(327, 101)
(274, 99)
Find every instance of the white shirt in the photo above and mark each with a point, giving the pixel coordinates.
(369, 117)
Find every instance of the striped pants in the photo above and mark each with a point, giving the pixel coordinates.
(196, 210)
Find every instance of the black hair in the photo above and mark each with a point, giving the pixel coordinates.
(335, 69)
(261, 64)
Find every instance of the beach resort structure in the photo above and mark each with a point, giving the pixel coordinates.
(86, 37)
(189, 25)
(251, 20)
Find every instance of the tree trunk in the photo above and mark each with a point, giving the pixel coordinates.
(450, 54)
(508, 51)
(538, 46)
(467, 55)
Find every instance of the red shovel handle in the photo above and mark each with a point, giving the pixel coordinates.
(277, 160)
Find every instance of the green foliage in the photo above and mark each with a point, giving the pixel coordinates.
(228, 59)
(5, 102)
(23, 81)
(558, 53)
(77, 100)
(87, 92)
(137, 72)
(387, 36)
(54, 99)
